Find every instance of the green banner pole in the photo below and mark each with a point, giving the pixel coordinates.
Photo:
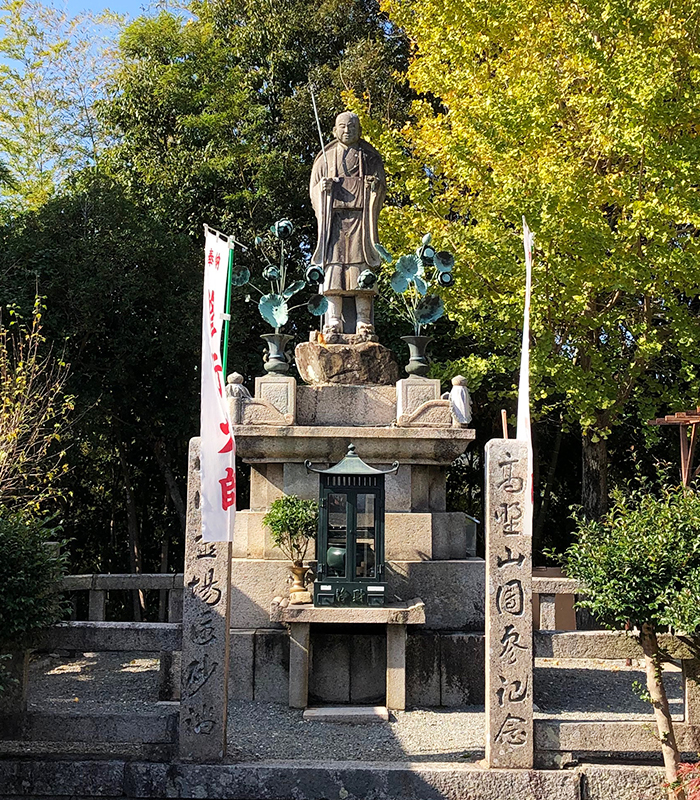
(227, 310)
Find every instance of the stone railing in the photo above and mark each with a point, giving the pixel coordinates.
(555, 740)
(98, 585)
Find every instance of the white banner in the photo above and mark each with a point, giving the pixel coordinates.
(218, 449)
(524, 430)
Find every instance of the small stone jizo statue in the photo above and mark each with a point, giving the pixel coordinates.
(347, 190)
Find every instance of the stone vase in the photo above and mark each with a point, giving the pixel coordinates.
(417, 362)
(276, 360)
(298, 575)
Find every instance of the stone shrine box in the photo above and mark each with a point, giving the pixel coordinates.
(350, 544)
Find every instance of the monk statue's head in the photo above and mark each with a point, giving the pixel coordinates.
(347, 128)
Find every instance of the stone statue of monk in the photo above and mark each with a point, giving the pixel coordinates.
(347, 190)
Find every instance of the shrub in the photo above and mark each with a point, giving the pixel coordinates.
(29, 576)
(640, 566)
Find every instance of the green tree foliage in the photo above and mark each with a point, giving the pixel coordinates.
(582, 116)
(640, 566)
(35, 413)
(213, 112)
(52, 67)
(124, 298)
(29, 572)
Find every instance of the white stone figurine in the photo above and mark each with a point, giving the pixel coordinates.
(235, 387)
(460, 401)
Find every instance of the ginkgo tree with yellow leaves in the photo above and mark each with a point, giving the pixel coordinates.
(585, 117)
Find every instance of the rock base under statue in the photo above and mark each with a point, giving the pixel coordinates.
(348, 364)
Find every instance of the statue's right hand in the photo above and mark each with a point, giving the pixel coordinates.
(326, 184)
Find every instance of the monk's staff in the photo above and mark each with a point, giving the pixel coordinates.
(325, 208)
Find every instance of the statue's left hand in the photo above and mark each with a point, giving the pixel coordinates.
(371, 181)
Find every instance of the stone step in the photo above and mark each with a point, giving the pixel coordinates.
(353, 715)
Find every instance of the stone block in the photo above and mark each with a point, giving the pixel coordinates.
(350, 715)
(53, 778)
(462, 669)
(299, 656)
(329, 675)
(351, 781)
(397, 488)
(299, 481)
(412, 392)
(88, 637)
(613, 782)
(241, 665)
(348, 364)
(396, 667)
(450, 536)
(453, 591)
(420, 488)
(280, 391)
(205, 637)
(423, 668)
(691, 681)
(368, 667)
(327, 444)
(433, 414)
(437, 488)
(254, 582)
(271, 684)
(346, 405)
(252, 539)
(266, 485)
(408, 537)
(419, 536)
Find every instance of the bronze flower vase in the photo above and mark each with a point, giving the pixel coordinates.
(418, 363)
(275, 358)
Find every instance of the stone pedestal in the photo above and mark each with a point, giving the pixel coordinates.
(429, 553)
(509, 654)
(350, 364)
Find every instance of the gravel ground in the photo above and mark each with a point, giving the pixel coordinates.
(564, 689)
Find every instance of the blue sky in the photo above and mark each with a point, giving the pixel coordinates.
(132, 8)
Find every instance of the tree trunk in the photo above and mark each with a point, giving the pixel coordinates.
(659, 701)
(544, 507)
(594, 476)
(134, 534)
(170, 481)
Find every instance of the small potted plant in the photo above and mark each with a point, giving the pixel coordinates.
(412, 278)
(293, 523)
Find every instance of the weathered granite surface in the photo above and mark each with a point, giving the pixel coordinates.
(205, 633)
(509, 648)
(340, 404)
(357, 364)
(328, 444)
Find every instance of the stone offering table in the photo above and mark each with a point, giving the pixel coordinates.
(394, 617)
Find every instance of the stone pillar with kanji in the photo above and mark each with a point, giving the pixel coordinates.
(509, 652)
(205, 633)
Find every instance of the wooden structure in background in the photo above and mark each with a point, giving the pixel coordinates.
(684, 419)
